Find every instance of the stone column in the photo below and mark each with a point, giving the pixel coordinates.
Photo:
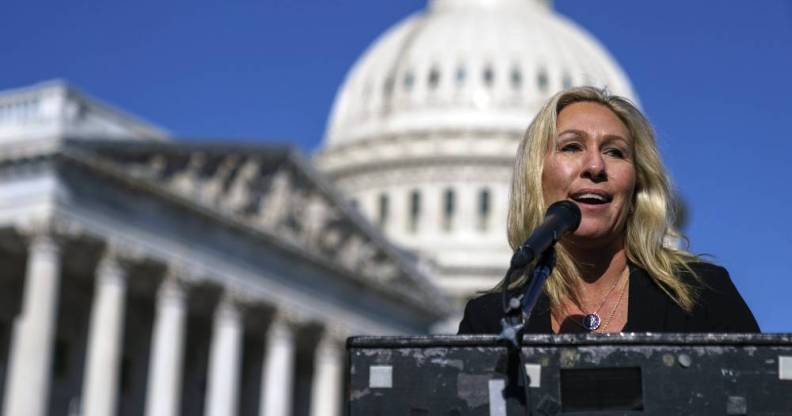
(102, 371)
(278, 369)
(30, 355)
(467, 218)
(327, 381)
(167, 351)
(225, 360)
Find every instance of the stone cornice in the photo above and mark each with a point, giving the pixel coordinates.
(441, 148)
(380, 168)
(435, 134)
(139, 172)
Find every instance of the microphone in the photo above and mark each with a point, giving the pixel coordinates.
(561, 217)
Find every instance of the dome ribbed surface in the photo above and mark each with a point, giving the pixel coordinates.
(425, 127)
(467, 65)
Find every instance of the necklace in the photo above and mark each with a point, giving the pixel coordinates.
(591, 321)
(613, 312)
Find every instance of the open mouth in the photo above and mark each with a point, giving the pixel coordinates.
(591, 197)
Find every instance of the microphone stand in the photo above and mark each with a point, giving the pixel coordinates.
(517, 311)
(542, 269)
(561, 217)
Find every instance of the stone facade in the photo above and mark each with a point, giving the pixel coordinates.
(163, 278)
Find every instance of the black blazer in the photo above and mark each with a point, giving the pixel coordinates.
(719, 308)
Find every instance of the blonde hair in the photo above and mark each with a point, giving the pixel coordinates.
(649, 226)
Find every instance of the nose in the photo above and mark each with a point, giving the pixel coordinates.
(594, 167)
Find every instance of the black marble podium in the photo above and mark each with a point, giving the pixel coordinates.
(630, 374)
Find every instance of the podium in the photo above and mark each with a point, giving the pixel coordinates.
(631, 373)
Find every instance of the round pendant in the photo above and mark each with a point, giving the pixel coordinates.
(591, 321)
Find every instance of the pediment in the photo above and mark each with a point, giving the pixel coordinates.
(270, 189)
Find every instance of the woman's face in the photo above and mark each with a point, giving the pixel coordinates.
(591, 162)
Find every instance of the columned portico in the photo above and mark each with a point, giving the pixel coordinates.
(167, 351)
(30, 357)
(138, 277)
(104, 343)
(327, 381)
(225, 359)
(278, 368)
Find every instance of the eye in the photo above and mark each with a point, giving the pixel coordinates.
(570, 147)
(615, 152)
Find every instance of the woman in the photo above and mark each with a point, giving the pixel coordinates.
(619, 271)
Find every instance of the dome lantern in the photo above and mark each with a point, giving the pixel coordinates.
(459, 4)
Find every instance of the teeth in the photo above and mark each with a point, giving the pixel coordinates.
(591, 196)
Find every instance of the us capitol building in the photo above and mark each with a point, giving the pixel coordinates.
(424, 129)
(143, 275)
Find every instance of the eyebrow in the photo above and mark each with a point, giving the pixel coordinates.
(608, 137)
(575, 131)
(616, 137)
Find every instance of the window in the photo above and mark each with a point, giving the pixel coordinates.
(448, 209)
(483, 209)
(460, 76)
(387, 87)
(382, 210)
(542, 81)
(516, 78)
(414, 211)
(434, 78)
(409, 80)
(566, 81)
(489, 76)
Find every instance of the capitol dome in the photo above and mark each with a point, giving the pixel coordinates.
(424, 129)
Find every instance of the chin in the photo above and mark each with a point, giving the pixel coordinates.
(591, 228)
(586, 234)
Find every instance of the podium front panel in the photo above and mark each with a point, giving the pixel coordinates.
(657, 374)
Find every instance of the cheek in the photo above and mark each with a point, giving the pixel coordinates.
(628, 191)
(555, 180)
(549, 183)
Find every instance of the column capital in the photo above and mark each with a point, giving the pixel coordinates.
(45, 243)
(177, 271)
(334, 333)
(117, 255)
(55, 227)
(40, 237)
(172, 288)
(229, 307)
(125, 253)
(283, 324)
(110, 270)
(288, 317)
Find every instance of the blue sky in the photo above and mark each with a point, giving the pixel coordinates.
(715, 77)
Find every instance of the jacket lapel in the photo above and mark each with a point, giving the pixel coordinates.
(648, 304)
(539, 322)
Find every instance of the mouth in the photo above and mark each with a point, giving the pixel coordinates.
(591, 197)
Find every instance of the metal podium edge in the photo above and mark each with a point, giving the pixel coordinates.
(632, 338)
